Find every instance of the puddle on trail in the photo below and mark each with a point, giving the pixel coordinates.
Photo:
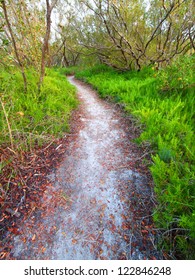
(107, 209)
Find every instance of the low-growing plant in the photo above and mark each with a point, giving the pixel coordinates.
(34, 116)
(163, 102)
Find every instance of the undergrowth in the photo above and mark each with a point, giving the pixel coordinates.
(34, 117)
(30, 120)
(163, 102)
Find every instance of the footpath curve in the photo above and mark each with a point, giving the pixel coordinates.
(99, 202)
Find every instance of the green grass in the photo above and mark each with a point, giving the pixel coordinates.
(34, 117)
(163, 102)
(31, 124)
(68, 71)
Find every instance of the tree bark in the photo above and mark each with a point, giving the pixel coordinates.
(14, 45)
(45, 47)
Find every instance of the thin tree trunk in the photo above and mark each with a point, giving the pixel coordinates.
(14, 45)
(64, 56)
(45, 44)
(45, 48)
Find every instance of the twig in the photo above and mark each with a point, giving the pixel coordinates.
(11, 151)
(48, 145)
(8, 125)
(12, 212)
(174, 229)
(58, 147)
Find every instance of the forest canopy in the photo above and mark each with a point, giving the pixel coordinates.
(123, 34)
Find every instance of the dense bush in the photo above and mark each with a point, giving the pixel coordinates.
(163, 101)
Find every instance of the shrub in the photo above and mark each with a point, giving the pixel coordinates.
(163, 102)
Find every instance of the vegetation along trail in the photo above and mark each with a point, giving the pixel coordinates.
(99, 202)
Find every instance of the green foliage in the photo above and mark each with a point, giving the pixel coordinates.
(68, 71)
(178, 77)
(34, 117)
(89, 73)
(163, 102)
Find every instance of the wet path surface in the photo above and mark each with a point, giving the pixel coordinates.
(97, 206)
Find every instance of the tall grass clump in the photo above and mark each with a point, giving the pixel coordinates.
(163, 102)
(33, 118)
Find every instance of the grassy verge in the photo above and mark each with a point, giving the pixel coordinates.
(29, 118)
(163, 102)
(31, 125)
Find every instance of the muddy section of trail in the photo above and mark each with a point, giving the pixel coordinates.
(99, 201)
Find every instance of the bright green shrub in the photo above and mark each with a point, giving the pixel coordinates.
(163, 102)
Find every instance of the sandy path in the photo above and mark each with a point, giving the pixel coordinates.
(104, 207)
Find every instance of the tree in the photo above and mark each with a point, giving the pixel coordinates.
(13, 40)
(171, 30)
(134, 34)
(121, 33)
(45, 47)
(66, 48)
(23, 31)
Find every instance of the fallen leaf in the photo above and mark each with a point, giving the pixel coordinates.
(102, 215)
(24, 240)
(112, 216)
(14, 230)
(103, 258)
(125, 226)
(124, 217)
(92, 237)
(144, 231)
(21, 114)
(93, 201)
(3, 255)
(43, 249)
(113, 228)
(34, 237)
(126, 238)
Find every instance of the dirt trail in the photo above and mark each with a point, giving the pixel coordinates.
(97, 205)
